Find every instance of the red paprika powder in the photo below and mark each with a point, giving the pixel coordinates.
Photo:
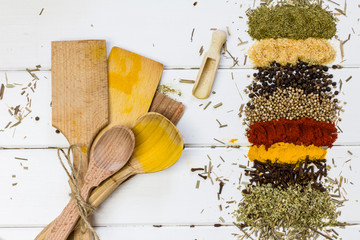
(305, 131)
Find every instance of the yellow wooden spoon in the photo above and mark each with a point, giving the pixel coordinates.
(158, 145)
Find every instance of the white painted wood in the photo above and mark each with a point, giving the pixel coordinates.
(138, 232)
(160, 30)
(198, 126)
(167, 197)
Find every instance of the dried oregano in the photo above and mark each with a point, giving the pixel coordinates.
(292, 213)
(288, 21)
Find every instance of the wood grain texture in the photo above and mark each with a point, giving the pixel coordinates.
(110, 154)
(133, 80)
(207, 72)
(158, 145)
(168, 107)
(165, 36)
(79, 92)
(161, 104)
(153, 132)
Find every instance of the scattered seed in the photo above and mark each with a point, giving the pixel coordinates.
(186, 81)
(197, 184)
(218, 105)
(2, 91)
(201, 50)
(219, 141)
(192, 34)
(207, 105)
(348, 79)
(228, 30)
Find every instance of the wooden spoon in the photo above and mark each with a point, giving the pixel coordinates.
(209, 65)
(162, 104)
(110, 154)
(158, 145)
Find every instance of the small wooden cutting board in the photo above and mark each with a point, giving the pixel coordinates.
(133, 80)
(79, 92)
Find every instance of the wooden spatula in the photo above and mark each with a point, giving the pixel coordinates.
(133, 80)
(79, 92)
(168, 107)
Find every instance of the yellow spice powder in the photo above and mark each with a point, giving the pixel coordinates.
(315, 51)
(286, 153)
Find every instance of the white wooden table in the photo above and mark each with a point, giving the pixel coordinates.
(34, 191)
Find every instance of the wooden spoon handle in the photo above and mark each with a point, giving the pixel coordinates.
(97, 196)
(217, 41)
(66, 221)
(83, 169)
(100, 193)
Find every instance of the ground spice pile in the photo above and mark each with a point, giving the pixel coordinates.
(291, 104)
(310, 78)
(305, 131)
(285, 175)
(286, 153)
(288, 51)
(290, 213)
(291, 116)
(291, 21)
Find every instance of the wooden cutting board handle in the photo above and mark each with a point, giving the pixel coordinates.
(79, 93)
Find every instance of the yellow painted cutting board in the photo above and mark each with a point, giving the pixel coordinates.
(133, 80)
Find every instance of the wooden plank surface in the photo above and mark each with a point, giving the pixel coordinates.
(32, 133)
(166, 35)
(167, 197)
(152, 233)
(168, 32)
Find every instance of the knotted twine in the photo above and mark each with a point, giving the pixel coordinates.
(84, 208)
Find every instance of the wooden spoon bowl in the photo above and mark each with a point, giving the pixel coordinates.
(158, 145)
(110, 154)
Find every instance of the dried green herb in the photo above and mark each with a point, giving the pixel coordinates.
(291, 21)
(292, 213)
(186, 81)
(166, 90)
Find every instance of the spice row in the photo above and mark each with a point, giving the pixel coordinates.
(288, 51)
(291, 117)
(304, 131)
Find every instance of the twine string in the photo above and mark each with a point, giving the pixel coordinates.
(84, 208)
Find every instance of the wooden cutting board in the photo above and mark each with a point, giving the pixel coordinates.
(79, 92)
(133, 80)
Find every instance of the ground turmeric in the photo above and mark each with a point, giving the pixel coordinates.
(285, 153)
